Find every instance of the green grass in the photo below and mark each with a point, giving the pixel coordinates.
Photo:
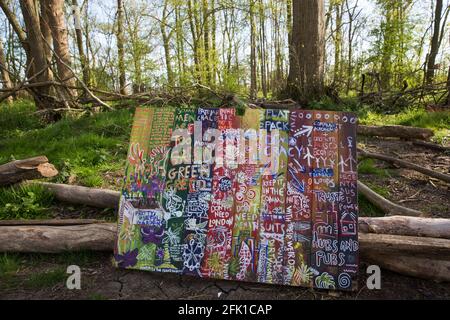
(9, 266)
(24, 202)
(367, 166)
(18, 119)
(97, 296)
(366, 208)
(81, 148)
(31, 278)
(46, 279)
(439, 122)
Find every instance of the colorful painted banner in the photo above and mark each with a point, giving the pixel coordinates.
(265, 196)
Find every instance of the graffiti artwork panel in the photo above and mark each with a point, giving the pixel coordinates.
(252, 195)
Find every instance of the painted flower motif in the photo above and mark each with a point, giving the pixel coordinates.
(151, 235)
(128, 259)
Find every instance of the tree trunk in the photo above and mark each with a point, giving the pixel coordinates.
(262, 46)
(55, 15)
(306, 75)
(406, 226)
(206, 41)
(47, 34)
(253, 73)
(29, 169)
(166, 46)
(39, 66)
(434, 43)
(120, 48)
(337, 73)
(4, 72)
(79, 36)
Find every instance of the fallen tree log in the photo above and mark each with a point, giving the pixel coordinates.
(54, 222)
(395, 244)
(413, 256)
(28, 169)
(406, 226)
(57, 239)
(101, 236)
(419, 267)
(395, 132)
(405, 164)
(103, 198)
(431, 145)
(99, 198)
(385, 205)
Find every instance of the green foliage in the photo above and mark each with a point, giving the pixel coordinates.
(97, 296)
(18, 118)
(367, 166)
(83, 146)
(46, 279)
(9, 265)
(24, 202)
(439, 122)
(366, 208)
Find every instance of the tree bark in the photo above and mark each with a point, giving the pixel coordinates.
(99, 198)
(431, 145)
(307, 54)
(253, 73)
(55, 15)
(46, 34)
(434, 43)
(55, 222)
(120, 47)
(29, 169)
(39, 65)
(395, 244)
(79, 36)
(396, 132)
(4, 73)
(406, 226)
(419, 267)
(407, 165)
(413, 256)
(385, 205)
(57, 239)
(166, 45)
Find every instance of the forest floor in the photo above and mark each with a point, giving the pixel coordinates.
(91, 151)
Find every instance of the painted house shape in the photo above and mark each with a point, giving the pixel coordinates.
(349, 224)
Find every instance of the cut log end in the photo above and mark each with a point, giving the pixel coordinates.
(28, 169)
(47, 170)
